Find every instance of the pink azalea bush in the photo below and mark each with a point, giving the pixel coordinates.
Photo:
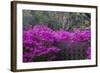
(41, 43)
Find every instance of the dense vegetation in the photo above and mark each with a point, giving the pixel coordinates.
(57, 20)
(53, 36)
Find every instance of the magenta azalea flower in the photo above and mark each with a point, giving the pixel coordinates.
(41, 43)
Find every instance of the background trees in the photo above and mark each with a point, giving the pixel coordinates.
(57, 20)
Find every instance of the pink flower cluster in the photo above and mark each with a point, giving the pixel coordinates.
(40, 43)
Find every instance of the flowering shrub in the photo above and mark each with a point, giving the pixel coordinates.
(40, 43)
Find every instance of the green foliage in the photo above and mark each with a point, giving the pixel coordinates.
(57, 20)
